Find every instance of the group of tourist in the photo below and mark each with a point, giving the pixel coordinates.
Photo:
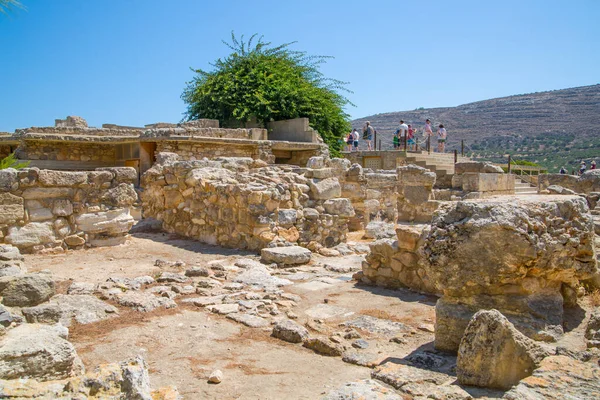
(404, 133)
(581, 170)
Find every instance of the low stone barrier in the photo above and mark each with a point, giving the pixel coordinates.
(246, 204)
(587, 183)
(45, 209)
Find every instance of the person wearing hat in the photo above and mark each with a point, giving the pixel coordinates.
(582, 168)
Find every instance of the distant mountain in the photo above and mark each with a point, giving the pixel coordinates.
(555, 128)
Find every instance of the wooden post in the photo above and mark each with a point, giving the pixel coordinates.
(455, 156)
(379, 144)
(509, 163)
(374, 139)
(462, 148)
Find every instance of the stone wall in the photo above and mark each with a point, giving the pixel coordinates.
(66, 151)
(481, 179)
(45, 209)
(587, 183)
(387, 159)
(192, 150)
(517, 255)
(244, 203)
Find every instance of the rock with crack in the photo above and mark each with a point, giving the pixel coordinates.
(26, 290)
(289, 255)
(63, 309)
(558, 378)
(493, 354)
(366, 389)
(290, 331)
(38, 351)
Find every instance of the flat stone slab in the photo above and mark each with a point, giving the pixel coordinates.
(224, 309)
(313, 286)
(64, 308)
(252, 321)
(377, 325)
(363, 359)
(290, 255)
(367, 389)
(204, 301)
(325, 311)
(259, 276)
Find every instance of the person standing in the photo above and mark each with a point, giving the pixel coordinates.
(410, 139)
(582, 167)
(355, 139)
(350, 140)
(441, 136)
(402, 133)
(563, 171)
(593, 164)
(368, 133)
(427, 132)
(396, 139)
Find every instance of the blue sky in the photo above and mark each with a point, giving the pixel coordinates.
(127, 61)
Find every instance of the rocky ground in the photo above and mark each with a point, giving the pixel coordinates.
(191, 310)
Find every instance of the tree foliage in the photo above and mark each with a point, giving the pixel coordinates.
(11, 161)
(261, 82)
(6, 5)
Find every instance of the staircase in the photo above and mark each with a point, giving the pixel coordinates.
(524, 188)
(440, 163)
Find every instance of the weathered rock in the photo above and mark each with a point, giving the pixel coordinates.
(341, 207)
(324, 346)
(48, 177)
(74, 241)
(364, 390)
(38, 351)
(63, 309)
(111, 222)
(31, 234)
(81, 288)
(26, 290)
(290, 331)
(325, 189)
(494, 354)
(377, 325)
(11, 261)
(592, 331)
(251, 321)
(216, 376)
(6, 317)
(172, 277)
(363, 359)
(136, 382)
(289, 255)
(11, 208)
(559, 378)
(380, 230)
(224, 309)
(197, 271)
(144, 302)
(123, 195)
(258, 276)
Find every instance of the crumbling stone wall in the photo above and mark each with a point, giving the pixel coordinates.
(46, 209)
(191, 151)
(65, 151)
(517, 255)
(244, 203)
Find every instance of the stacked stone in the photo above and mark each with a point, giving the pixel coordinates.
(243, 203)
(192, 151)
(519, 256)
(42, 209)
(75, 151)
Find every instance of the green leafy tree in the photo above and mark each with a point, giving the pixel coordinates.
(266, 83)
(11, 161)
(6, 5)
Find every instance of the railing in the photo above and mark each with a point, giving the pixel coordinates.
(527, 173)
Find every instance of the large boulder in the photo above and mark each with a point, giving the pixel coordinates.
(559, 378)
(494, 354)
(26, 290)
(38, 351)
(63, 309)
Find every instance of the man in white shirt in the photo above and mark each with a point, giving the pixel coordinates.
(402, 133)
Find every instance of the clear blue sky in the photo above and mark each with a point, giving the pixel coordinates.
(127, 61)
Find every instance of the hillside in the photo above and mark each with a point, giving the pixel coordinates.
(553, 128)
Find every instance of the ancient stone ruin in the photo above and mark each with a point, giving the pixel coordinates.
(185, 261)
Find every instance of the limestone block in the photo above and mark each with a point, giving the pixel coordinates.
(42, 193)
(8, 179)
(62, 207)
(476, 167)
(38, 351)
(48, 177)
(63, 309)
(40, 214)
(288, 255)
(592, 331)
(11, 208)
(287, 217)
(325, 189)
(111, 222)
(340, 207)
(122, 174)
(31, 234)
(315, 162)
(26, 290)
(123, 195)
(493, 354)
